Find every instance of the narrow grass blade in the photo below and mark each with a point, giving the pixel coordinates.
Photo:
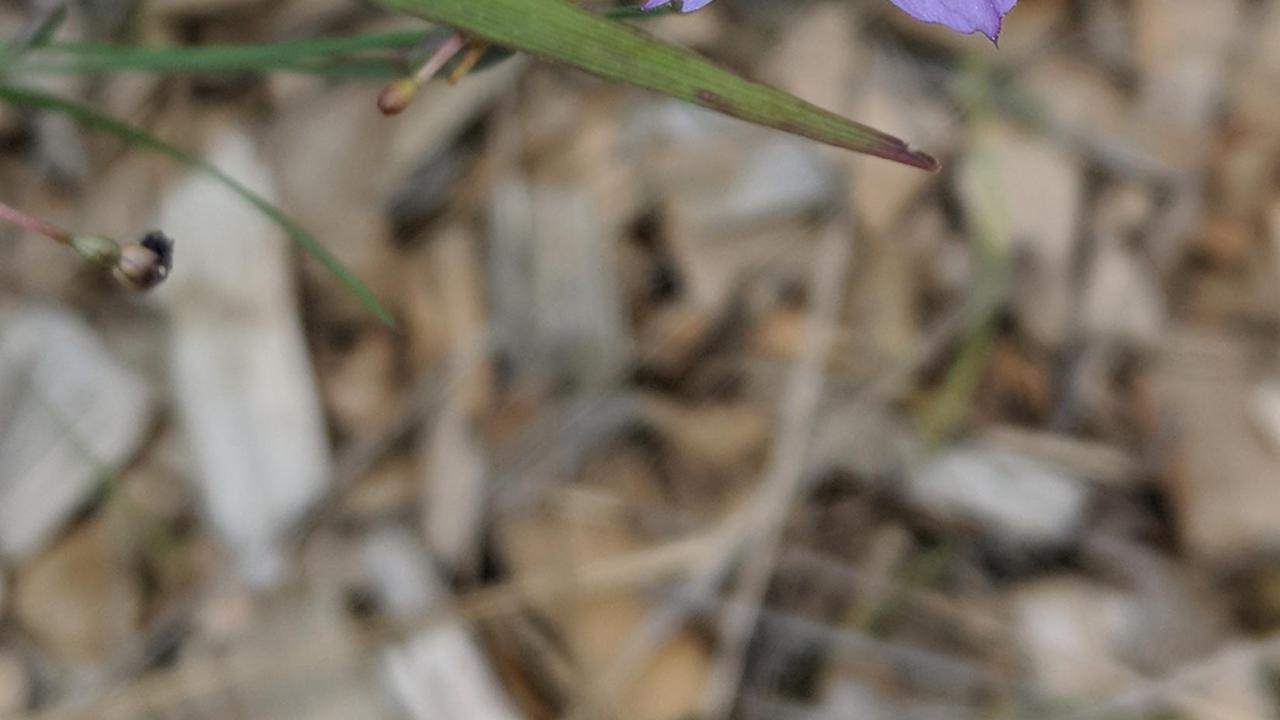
(559, 31)
(140, 137)
(295, 56)
(342, 56)
(48, 27)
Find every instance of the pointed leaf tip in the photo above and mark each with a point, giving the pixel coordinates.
(561, 32)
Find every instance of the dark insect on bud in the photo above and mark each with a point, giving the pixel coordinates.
(144, 265)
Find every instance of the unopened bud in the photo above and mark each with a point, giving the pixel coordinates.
(397, 96)
(144, 265)
(96, 250)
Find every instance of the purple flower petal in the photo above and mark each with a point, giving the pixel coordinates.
(964, 16)
(685, 5)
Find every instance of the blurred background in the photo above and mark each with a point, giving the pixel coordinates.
(681, 418)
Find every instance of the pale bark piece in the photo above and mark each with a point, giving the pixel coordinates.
(580, 331)
(69, 413)
(243, 385)
(440, 673)
(509, 266)
(1072, 631)
(455, 464)
(455, 488)
(1011, 497)
(1225, 478)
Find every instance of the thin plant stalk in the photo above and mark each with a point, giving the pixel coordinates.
(16, 217)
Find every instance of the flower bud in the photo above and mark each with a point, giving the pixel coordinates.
(397, 96)
(144, 265)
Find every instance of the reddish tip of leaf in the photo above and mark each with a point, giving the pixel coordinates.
(907, 156)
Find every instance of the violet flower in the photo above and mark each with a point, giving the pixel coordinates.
(964, 16)
(685, 6)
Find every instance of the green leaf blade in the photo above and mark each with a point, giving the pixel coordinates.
(560, 32)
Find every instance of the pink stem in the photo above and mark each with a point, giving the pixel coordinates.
(442, 55)
(33, 224)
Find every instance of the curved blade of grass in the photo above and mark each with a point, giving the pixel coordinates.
(48, 27)
(139, 137)
(77, 62)
(290, 55)
(559, 31)
(38, 36)
(328, 56)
